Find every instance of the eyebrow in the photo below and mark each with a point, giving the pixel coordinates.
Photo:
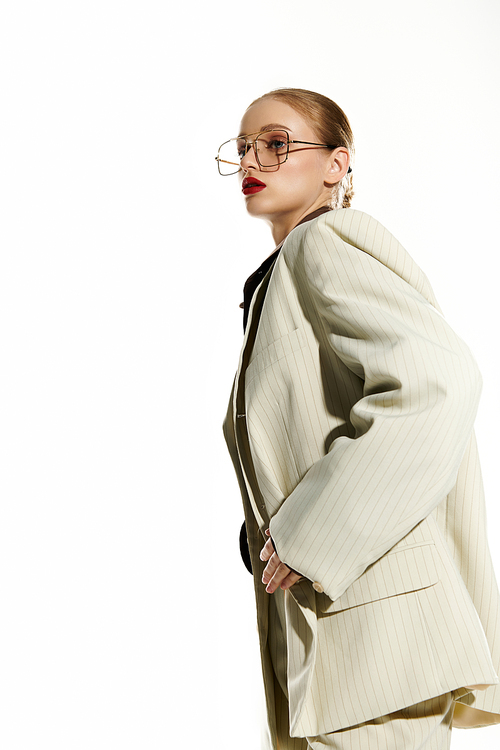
(270, 126)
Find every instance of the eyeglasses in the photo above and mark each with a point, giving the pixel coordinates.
(271, 149)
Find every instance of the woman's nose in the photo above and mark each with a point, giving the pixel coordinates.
(249, 161)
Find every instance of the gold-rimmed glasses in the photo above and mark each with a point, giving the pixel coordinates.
(271, 149)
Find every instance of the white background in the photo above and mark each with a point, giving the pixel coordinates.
(127, 619)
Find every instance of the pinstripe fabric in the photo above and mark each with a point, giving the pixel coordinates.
(425, 726)
(350, 428)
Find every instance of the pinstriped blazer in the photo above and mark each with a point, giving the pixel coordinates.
(350, 426)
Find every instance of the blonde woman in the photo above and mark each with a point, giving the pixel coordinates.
(350, 426)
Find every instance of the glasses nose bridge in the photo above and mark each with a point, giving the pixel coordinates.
(250, 148)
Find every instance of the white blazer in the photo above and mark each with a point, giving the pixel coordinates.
(350, 426)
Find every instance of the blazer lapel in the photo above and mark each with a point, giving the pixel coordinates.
(237, 403)
(251, 331)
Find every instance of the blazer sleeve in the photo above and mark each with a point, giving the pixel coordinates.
(412, 424)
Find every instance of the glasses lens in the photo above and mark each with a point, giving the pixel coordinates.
(230, 154)
(272, 148)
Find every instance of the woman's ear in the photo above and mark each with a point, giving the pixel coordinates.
(337, 165)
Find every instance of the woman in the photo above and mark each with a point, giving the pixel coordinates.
(350, 428)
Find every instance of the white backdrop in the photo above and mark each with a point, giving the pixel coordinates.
(127, 619)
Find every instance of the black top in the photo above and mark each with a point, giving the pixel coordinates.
(249, 289)
(253, 282)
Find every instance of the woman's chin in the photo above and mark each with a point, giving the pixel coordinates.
(254, 208)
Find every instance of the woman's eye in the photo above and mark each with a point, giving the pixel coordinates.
(277, 144)
(242, 149)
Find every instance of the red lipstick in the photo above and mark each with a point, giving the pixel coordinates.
(251, 185)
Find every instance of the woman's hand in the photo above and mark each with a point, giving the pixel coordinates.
(276, 573)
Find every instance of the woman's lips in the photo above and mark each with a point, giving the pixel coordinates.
(251, 185)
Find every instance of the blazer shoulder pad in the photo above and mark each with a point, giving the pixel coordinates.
(345, 229)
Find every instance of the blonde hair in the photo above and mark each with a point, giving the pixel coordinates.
(331, 126)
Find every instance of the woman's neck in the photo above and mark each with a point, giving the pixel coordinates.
(281, 229)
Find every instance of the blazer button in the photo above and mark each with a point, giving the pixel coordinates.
(318, 587)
